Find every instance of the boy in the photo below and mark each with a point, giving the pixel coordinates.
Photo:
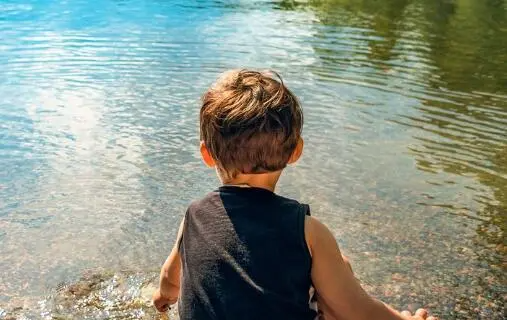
(242, 251)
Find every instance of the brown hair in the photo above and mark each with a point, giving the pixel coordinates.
(250, 122)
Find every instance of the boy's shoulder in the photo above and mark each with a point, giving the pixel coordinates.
(204, 201)
(290, 200)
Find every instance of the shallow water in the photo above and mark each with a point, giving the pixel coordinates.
(406, 141)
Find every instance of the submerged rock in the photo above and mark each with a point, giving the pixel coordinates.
(125, 295)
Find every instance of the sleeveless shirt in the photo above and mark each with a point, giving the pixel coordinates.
(244, 256)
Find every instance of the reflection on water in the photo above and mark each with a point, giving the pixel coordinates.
(406, 139)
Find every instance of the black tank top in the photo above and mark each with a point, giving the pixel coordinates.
(244, 256)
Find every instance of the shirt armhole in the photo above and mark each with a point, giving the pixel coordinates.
(183, 228)
(305, 211)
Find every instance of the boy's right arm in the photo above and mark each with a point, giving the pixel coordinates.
(169, 287)
(337, 288)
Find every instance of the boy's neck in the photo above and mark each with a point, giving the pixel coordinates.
(259, 180)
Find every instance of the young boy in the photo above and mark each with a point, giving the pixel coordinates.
(242, 251)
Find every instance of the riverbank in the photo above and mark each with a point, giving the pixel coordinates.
(127, 296)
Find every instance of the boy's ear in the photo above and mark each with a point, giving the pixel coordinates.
(206, 156)
(296, 154)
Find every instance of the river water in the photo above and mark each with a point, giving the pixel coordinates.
(406, 142)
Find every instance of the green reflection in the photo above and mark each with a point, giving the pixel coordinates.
(463, 116)
(453, 55)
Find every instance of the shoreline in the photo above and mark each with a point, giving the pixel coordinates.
(127, 295)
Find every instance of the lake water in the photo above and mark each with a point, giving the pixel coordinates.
(406, 141)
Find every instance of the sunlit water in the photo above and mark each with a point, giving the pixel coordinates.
(406, 142)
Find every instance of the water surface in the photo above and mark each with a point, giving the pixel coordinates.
(406, 138)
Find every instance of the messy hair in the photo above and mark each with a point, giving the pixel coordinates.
(250, 122)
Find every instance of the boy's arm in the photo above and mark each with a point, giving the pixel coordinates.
(169, 287)
(338, 290)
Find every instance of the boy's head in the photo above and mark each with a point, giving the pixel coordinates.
(250, 123)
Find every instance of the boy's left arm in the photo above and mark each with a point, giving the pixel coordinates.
(169, 288)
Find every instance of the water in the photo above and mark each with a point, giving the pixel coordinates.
(406, 142)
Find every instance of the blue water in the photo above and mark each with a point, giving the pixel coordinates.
(406, 146)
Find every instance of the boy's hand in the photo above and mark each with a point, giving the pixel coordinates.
(420, 314)
(160, 302)
(340, 294)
